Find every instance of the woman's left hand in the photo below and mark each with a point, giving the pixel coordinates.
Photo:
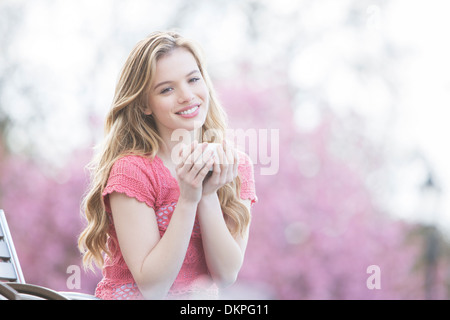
(225, 169)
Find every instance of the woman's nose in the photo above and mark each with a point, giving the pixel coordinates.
(185, 95)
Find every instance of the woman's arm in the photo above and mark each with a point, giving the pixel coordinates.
(155, 261)
(224, 253)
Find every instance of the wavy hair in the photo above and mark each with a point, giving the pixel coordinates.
(129, 131)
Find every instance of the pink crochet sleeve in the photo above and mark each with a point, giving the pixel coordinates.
(246, 174)
(131, 175)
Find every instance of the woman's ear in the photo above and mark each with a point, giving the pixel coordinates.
(147, 111)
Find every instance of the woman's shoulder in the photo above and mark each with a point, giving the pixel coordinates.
(134, 176)
(246, 174)
(245, 162)
(245, 167)
(133, 160)
(134, 165)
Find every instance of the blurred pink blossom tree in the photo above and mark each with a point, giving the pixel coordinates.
(43, 211)
(316, 228)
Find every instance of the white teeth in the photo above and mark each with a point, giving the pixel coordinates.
(189, 111)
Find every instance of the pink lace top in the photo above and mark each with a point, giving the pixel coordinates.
(149, 181)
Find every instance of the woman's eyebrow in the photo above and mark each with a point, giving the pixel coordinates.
(168, 81)
(192, 72)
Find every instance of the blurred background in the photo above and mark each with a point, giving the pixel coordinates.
(358, 89)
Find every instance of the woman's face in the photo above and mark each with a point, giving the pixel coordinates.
(178, 95)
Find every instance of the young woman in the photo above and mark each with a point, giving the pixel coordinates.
(166, 219)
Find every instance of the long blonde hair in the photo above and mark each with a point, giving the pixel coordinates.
(129, 131)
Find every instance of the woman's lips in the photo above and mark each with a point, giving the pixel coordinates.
(189, 112)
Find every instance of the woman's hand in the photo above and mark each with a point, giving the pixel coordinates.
(225, 169)
(192, 170)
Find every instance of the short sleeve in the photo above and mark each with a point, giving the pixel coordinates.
(131, 175)
(246, 174)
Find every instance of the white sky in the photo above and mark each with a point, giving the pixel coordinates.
(414, 119)
(424, 107)
(53, 43)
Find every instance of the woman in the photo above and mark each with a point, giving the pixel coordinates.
(166, 219)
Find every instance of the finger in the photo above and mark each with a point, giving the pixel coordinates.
(222, 155)
(206, 154)
(201, 161)
(186, 151)
(201, 174)
(186, 166)
(216, 172)
(193, 155)
(197, 155)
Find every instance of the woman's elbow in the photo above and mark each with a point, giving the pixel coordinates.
(153, 288)
(225, 280)
(153, 292)
(227, 275)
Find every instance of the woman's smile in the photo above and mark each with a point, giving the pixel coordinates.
(190, 111)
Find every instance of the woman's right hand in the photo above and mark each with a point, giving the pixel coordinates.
(192, 170)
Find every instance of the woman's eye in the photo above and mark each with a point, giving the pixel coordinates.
(195, 79)
(166, 90)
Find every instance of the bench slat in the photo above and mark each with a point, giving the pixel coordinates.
(4, 251)
(7, 271)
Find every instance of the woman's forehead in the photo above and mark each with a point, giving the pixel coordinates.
(179, 60)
